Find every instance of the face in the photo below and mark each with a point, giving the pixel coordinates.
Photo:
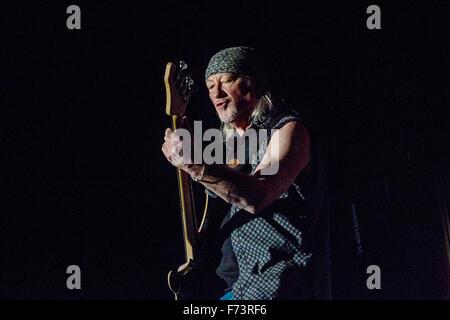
(231, 96)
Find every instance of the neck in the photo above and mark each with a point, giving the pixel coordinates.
(242, 123)
(241, 127)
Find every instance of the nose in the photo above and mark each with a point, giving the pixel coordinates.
(217, 92)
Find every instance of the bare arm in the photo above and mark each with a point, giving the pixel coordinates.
(289, 148)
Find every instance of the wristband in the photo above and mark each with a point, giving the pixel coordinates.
(202, 172)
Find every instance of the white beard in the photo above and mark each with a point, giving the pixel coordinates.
(228, 115)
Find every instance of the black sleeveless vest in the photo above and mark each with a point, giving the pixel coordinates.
(283, 251)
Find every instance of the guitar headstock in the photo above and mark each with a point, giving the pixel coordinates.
(179, 87)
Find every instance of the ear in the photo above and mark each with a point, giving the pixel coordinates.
(248, 85)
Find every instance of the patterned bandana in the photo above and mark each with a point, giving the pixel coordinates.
(239, 61)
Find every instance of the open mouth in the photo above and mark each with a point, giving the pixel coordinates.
(221, 105)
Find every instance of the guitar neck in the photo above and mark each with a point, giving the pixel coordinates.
(187, 207)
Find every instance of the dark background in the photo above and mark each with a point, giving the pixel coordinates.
(83, 121)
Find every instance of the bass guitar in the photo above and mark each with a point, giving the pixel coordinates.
(179, 88)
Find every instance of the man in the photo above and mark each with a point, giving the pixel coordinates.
(277, 246)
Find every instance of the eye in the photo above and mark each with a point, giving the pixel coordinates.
(228, 80)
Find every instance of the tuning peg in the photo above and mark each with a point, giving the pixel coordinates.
(192, 87)
(185, 87)
(182, 65)
(188, 81)
(189, 93)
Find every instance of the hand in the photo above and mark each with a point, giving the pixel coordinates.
(173, 149)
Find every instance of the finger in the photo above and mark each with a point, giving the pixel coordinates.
(166, 150)
(176, 138)
(168, 132)
(167, 138)
(174, 150)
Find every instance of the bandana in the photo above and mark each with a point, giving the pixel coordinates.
(239, 61)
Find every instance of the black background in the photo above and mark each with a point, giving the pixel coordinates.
(83, 113)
